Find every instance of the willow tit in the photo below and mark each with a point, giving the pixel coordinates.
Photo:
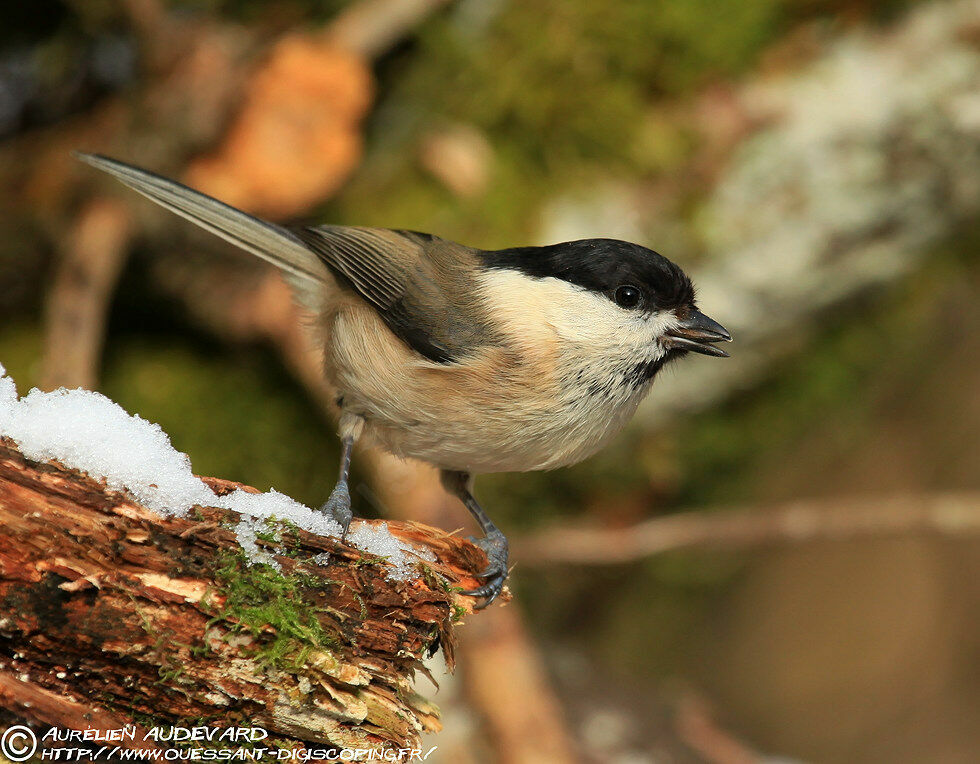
(474, 361)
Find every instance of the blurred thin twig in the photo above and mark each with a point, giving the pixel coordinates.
(947, 514)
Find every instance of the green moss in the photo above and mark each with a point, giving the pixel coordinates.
(272, 531)
(435, 580)
(367, 559)
(171, 670)
(286, 536)
(259, 598)
(170, 674)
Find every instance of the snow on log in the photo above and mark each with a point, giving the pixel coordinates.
(227, 612)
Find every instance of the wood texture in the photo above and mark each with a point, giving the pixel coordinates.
(110, 613)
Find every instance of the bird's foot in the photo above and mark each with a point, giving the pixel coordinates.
(496, 547)
(338, 507)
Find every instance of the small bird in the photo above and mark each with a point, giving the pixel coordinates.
(474, 361)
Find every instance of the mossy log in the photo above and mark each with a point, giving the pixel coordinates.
(111, 614)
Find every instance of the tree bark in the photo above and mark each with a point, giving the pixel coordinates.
(111, 614)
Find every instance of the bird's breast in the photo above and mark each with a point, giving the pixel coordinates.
(500, 410)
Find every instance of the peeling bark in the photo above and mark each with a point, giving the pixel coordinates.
(112, 614)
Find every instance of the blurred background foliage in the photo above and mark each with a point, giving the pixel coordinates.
(488, 116)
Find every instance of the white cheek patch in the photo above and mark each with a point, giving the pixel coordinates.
(517, 305)
(585, 323)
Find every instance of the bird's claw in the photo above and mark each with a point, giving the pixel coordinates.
(338, 507)
(496, 547)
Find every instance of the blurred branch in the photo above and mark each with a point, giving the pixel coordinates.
(523, 717)
(946, 514)
(92, 258)
(696, 726)
(372, 27)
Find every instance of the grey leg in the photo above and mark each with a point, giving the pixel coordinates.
(338, 505)
(494, 543)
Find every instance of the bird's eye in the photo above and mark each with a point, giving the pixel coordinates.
(628, 296)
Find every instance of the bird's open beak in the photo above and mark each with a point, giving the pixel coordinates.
(696, 333)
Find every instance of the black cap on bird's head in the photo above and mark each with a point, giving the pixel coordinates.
(633, 277)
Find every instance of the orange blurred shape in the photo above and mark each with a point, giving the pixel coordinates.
(297, 136)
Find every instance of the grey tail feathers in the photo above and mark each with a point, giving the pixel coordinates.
(273, 243)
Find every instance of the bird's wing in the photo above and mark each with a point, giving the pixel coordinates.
(416, 282)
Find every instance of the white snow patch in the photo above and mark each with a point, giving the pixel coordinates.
(87, 431)
(376, 539)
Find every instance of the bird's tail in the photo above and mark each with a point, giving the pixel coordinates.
(273, 243)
